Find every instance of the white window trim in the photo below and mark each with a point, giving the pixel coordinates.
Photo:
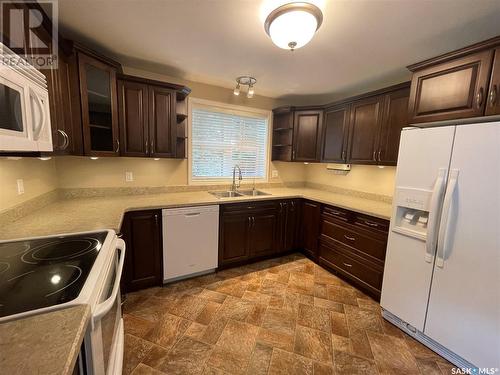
(232, 109)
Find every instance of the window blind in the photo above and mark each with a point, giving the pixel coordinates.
(221, 140)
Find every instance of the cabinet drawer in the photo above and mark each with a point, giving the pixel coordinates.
(249, 206)
(366, 244)
(362, 271)
(336, 213)
(379, 226)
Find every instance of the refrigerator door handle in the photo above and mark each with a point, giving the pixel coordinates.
(430, 245)
(444, 227)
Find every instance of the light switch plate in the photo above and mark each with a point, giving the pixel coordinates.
(20, 186)
(129, 176)
(274, 173)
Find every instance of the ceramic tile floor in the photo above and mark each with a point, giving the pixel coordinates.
(281, 316)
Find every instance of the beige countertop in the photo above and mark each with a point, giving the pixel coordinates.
(87, 214)
(43, 344)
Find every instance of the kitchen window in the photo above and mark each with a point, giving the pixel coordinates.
(222, 136)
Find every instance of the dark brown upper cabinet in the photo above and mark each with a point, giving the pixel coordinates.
(450, 90)
(364, 130)
(493, 99)
(67, 135)
(307, 126)
(149, 124)
(162, 122)
(335, 131)
(62, 86)
(394, 119)
(99, 106)
(133, 115)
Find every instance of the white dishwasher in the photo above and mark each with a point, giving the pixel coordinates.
(190, 241)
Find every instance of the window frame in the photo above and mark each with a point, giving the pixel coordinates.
(235, 110)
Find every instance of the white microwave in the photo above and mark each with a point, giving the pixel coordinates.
(24, 107)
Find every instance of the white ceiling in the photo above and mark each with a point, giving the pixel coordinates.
(362, 44)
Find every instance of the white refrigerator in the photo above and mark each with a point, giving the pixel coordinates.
(442, 270)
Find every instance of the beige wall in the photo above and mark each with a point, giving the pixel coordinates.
(366, 178)
(83, 172)
(39, 177)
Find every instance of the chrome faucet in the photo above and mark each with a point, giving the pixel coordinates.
(235, 187)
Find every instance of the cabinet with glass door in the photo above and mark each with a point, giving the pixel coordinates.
(99, 107)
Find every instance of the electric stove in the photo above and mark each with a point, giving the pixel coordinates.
(42, 272)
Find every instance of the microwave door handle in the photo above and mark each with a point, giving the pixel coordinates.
(37, 129)
(430, 245)
(444, 227)
(103, 308)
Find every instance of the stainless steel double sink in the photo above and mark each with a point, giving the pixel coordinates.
(239, 193)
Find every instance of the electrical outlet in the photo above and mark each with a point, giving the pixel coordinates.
(274, 173)
(129, 176)
(20, 186)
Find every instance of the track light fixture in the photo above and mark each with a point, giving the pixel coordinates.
(245, 81)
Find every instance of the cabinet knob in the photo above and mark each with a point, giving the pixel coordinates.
(479, 97)
(493, 96)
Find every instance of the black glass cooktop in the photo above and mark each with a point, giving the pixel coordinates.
(45, 272)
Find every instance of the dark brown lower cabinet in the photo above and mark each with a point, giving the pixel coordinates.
(247, 231)
(263, 233)
(289, 225)
(143, 255)
(310, 220)
(354, 245)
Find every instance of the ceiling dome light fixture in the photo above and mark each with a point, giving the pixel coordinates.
(293, 25)
(245, 81)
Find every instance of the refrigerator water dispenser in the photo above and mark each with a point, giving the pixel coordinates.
(412, 212)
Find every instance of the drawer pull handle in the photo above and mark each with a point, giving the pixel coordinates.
(349, 238)
(371, 224)
(347, 264)
(336, 213)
